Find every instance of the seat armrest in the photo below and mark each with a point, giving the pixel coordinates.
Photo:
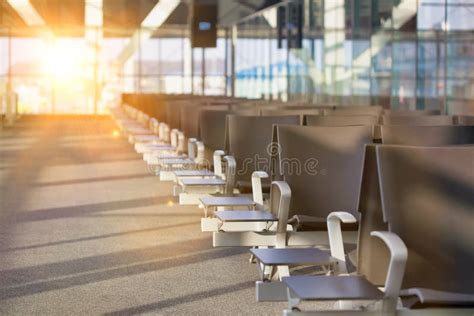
(200, 153)
(257, 191)
(174, 137)
(230, 172)
(435, 297)
(192, 148)
(396, 267)
(181, 143)
(217, 161)
(280, 208)
(336, 242)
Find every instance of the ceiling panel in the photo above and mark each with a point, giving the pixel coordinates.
(64, 17)
(121, 17)
(126, 13)
(9, 17)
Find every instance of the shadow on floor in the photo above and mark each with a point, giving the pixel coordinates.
(61, 275)
(90, 238)
(183, 299)
(80, 210)
(110, 178)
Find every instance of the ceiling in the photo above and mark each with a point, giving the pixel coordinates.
(121, 17)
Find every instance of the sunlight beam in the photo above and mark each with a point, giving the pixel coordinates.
(155, 18)
(27, 12)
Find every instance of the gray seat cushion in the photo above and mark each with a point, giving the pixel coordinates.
(333, 288)
(292, 256)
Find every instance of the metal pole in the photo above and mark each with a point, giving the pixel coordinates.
(183, 67)
(203, 72)
(226, 54)
(159, 65)
(446, 29)
(232, 59)
(192, 70)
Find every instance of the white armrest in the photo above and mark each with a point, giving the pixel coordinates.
(281, 210)
(164, 132)
(181, 144)
(192, 148)
(174, 137)
(230, 171)
(257, 191)
(335, 236)
(154, 125)
(396, 267)
(200, 159)
(217, 160)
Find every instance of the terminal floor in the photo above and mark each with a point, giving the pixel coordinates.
(86, 229)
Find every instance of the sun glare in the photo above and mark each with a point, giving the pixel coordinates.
(64, 61)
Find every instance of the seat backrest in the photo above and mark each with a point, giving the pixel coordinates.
(323, 166)
(356, 110)
(419, 120)
(428, 201)
(341, 120)
(300, 112)
(249, 140)
(287, 111)
(189, 120)
(212, 125)
(411, 112)
(427, 135)
(190, 117)
(464, 120)
(173, 117)
(372, 254)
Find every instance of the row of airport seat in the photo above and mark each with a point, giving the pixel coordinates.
(381, 217)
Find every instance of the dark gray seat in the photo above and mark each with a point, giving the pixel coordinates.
(464, 120)
(411, 112)
(189, 119)
(293, 256)
(288, 111)
(249, 141)
(323, 288)
(340, 120)
(356, 110)
(428, 201)
(333, 187)
(372, 256)
(212, 126)
(173, 116)
(300, 112)
(323, 167)
(427, 135)
(418, 120)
